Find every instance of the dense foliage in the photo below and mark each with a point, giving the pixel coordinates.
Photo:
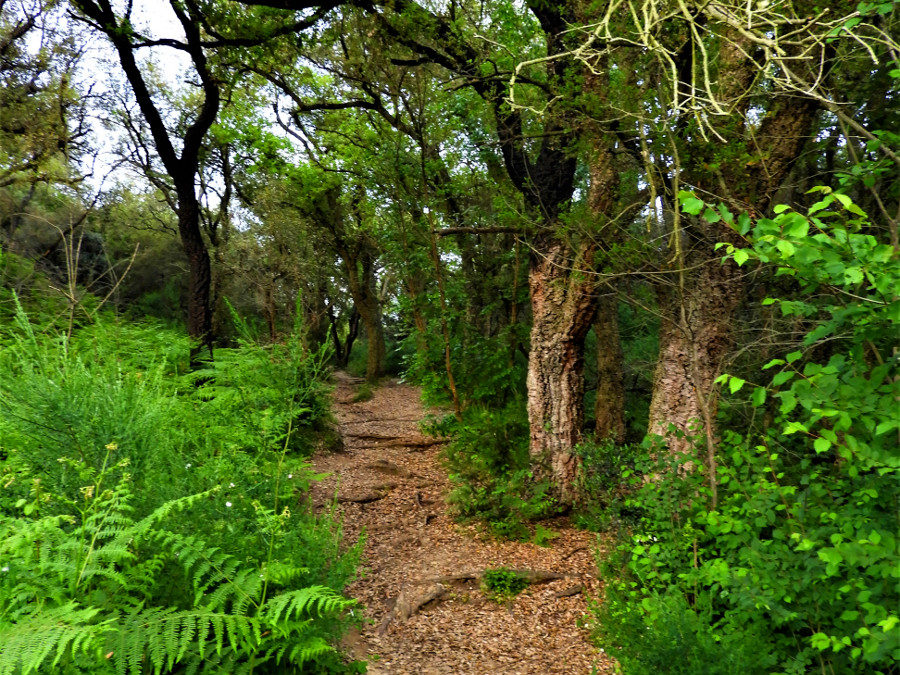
(147, 521)
(642, 255)
(794, 569)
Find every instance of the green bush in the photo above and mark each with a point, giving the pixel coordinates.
(667, 634)
(601, 505)
(104, 443)
(804, 537)
(489, 464)
(78, 590)
(502, 583)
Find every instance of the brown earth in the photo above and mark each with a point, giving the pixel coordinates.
(420, 574)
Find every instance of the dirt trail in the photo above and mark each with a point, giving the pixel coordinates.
(419, 586)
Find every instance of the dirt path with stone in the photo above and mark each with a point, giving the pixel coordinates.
(420, 572)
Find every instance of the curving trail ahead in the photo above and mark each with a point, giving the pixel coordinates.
(420, 569)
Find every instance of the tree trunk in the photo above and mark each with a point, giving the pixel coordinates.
(199, 275)
(375, 348)
(693, 345)
(604, 203)
(696, 331)
(361, 281)
(342, 350)
(609, 407)
(315, 309)
(563, 306)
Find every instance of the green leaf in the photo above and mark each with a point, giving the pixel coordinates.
(759, 396)
(831, 555)
(711, 216)
(782, 377)
(888, 623)
(692, 205)
(853, 275)
(787, 248)
(820, 641)
(821, 445)
(741, 256)
(735, 384)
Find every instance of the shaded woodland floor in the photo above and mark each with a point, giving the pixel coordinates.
(420, 572)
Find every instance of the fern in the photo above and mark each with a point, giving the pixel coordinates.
(107, 567)
(38, 642)
(61, 564)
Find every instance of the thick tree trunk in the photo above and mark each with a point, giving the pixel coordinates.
(375, 347)
(603, 201)
(609, 407)
(361, 281)
(694, 341)
(563, 306)
(199, 275)
(415, 288)
(342, 350)
(696, 331)
(315, 309)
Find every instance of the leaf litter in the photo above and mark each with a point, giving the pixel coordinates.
(420, 579)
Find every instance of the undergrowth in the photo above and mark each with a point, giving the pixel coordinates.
(490, 471)
(792, 569)
(502, 583)
(148, 524)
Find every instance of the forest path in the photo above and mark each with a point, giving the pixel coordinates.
(419, 582)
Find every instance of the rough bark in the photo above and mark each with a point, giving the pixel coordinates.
(697, 317)
(315, 310)
(694, 341)
(609, 406)
(603, 202)
(199, 273)
(342, 350)
(563, 306)
(361, 281)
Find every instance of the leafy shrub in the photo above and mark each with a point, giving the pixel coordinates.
(103, 441)
(77, 590)
(601, 505)
(804, 537)
(259, 397)
(503, 583)
(489, 468)
(667, 634)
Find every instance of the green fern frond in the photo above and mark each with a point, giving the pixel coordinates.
(41, 640)
(311, 601)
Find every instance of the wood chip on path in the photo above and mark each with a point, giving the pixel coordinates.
(415, 552)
